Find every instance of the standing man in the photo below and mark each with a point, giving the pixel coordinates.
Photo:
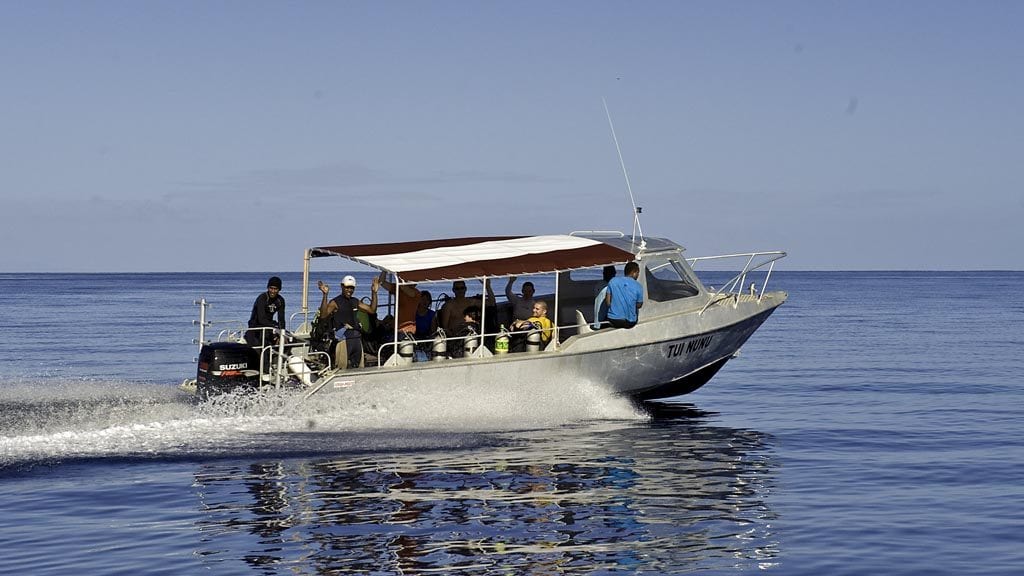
(426, 323)
(451, 315)
(625, 297)
(454, 310)
(261, 320)
(522, 306)
(343, 309)
(408, 300)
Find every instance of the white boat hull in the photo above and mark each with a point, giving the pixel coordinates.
(658, 358)
(685, 334)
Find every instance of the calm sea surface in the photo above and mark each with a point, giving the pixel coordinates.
(874, 425)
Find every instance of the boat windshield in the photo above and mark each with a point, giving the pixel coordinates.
(669, 279)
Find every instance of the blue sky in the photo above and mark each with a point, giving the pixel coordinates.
(195, 136)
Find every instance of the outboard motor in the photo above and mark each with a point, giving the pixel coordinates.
(533, 340)
(226, 366)
(406, 348)
(440, 346)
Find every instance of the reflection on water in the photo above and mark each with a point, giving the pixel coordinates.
(672, 494)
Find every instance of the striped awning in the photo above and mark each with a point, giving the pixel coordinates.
(482, 257)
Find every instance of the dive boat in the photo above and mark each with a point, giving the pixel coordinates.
(686, 331)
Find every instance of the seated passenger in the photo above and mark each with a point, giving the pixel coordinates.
(426, 319)
(426, 326)
(408, 299)
(343, 310)
(625, 297)
(451, 314)
(538, 321)
(468, 328)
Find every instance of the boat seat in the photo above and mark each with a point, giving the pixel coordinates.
(582, 325)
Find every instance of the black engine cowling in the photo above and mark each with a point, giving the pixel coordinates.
(226, 366)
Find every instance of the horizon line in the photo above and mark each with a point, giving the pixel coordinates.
(369, 271)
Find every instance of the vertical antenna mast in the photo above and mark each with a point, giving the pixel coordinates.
(636, 209)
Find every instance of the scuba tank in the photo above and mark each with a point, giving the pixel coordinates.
(501, 342)
(406, 348)
(533, 340)
(440, 346)
(298, 366)
(471, 343)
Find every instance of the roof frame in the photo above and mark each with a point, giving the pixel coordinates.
(480, 257)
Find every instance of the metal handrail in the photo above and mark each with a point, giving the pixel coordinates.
(555, 333)
(279, 373)
(734, 286)
(614, 233)
(277, 369)
(481, 335)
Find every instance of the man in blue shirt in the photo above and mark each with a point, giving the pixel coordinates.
(625, 297)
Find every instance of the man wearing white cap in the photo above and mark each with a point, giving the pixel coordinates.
(343, 310)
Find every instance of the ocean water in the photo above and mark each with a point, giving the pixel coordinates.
(873, 425)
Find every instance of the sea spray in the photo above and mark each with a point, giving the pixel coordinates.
(55, 420)
(35, 406)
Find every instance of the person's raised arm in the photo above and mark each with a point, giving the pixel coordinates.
(490, 292)
(508, 289)
(325, 304)
(372, 308)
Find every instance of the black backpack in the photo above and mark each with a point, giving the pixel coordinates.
(321, 333)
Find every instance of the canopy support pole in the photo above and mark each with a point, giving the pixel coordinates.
(305, 286)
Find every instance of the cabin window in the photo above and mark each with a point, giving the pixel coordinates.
(667, 279)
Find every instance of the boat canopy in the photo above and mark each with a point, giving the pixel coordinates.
(480, 257)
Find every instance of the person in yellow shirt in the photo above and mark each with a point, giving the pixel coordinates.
(539, 320)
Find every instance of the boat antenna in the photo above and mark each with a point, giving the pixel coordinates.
(636, 209)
